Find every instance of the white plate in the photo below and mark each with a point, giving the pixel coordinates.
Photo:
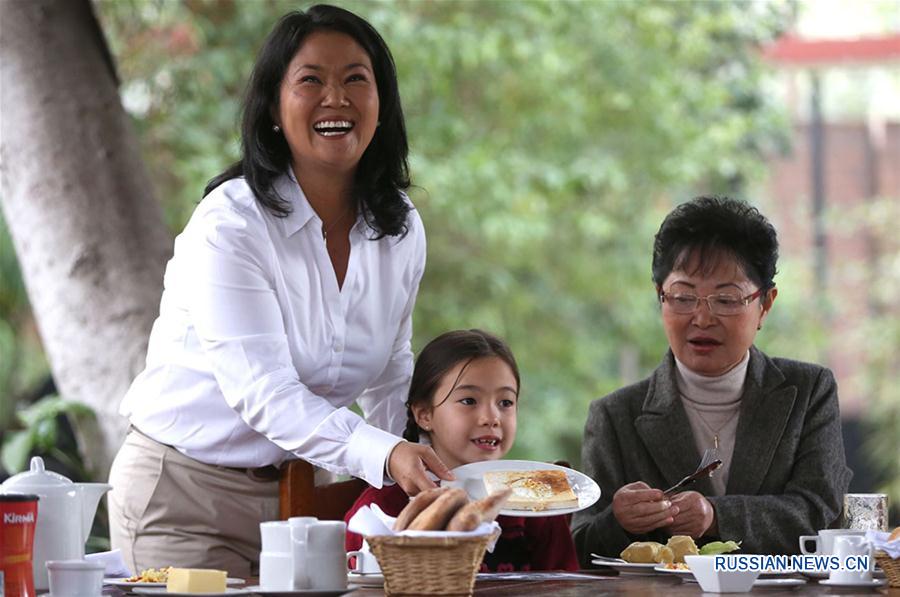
(301, 592)
(627, 567)
(778, 583)
(123, 583)
(162, 591)
(366, 580)
(471, 478)
(817, 574)
(874, 583)
(686, 574)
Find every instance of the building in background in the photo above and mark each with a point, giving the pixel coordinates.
(839, 80)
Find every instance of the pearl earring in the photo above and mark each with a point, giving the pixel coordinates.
(276, 128)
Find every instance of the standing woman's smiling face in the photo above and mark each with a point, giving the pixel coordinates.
(710, 344)
(328, 103)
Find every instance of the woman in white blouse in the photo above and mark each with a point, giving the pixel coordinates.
(289, 298)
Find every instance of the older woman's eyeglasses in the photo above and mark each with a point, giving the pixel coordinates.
(726, 303)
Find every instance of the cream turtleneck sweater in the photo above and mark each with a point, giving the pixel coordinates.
(712, 405)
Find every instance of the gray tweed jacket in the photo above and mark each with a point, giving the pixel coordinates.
(788, 472)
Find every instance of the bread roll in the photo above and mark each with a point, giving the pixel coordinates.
(648, 552)
(464, 520)
(436, 516)
(682, 545)
(416, 505)
(484, 510)
(895, 534)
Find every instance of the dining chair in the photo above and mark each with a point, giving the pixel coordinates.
(299, 496)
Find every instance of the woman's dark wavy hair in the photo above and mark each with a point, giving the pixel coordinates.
(383, 170)
(440, 356)
(708, 228)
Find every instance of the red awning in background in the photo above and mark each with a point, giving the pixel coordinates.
(792, 50)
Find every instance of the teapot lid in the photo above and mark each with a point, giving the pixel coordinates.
(36, 477)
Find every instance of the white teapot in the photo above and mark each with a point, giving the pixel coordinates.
(65, 513)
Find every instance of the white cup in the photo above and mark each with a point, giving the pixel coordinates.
(75, 578)
(326, 561)
(824, 541)
(299, 526)
(847, 546)
(365, 562)
(276, 571)
(275, 536)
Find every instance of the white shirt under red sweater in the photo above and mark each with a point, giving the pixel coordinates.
(541, 543)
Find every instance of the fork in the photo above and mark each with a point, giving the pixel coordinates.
(708, 464)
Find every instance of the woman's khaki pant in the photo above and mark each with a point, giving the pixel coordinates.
(166, 509)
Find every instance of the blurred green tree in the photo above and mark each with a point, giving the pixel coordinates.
(548, 141)
(549, 138)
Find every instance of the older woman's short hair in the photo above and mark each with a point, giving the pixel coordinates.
(708, 228)
(383, 171)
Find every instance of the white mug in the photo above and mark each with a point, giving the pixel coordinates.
(825, 541)
(75, 578)
(299, 526)
(326, 561)
(852, 545)
(276, 571)
(275, 536)
(365, 561)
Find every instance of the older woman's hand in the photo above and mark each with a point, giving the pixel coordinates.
(407, 465)
(695, 515)
(639, 509)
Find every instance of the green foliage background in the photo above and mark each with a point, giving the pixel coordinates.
(548, 141)
(549, 138)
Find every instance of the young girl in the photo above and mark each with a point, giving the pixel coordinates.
(463, 400)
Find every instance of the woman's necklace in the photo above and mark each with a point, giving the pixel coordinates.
(715, 431)
(325, 230)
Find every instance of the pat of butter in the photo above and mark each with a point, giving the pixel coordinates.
(196, 580)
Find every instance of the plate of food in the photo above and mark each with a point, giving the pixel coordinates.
(538, 488)
(623, 567)
(153, 578)
(677, 568)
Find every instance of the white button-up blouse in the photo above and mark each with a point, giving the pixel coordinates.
(257, 352)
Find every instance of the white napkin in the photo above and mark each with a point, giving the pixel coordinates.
(113, 561)
(879, 540)
(371, 520)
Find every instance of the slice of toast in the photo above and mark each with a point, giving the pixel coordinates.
(533, 490)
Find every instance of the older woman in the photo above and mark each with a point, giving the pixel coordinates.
(289, 297)
(773, 422)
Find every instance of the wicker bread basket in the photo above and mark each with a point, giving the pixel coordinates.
(890, 566)
(429, 565)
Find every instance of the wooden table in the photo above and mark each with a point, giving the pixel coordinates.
(606, 584)
(634, 586)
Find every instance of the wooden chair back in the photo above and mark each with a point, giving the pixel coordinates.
(299, 496)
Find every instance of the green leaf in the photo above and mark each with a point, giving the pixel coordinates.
(16, 449)
(719, 547)
(45, 434)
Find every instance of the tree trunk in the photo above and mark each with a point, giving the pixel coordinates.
(78, 201)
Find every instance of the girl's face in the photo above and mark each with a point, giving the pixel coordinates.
(477, 421)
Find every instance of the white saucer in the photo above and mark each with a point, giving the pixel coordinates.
(162, 591)
(372, 579)
(871, 584)
(301, 592)
(778, 583)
